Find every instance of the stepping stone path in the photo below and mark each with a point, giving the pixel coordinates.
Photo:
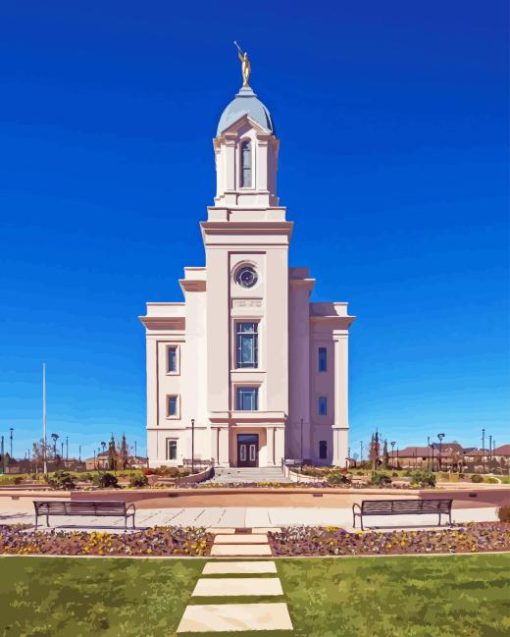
(241, 578)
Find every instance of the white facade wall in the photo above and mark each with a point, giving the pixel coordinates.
(246, 227)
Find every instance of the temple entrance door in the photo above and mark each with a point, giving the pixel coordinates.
(247, 450)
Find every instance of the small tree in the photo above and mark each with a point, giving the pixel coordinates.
(112, 454)
(385, 455)
(123, 453)
(374, 450)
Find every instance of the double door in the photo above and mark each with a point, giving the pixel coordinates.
(247, 450)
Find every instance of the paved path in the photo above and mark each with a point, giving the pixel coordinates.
(223, 582)
(250, 517)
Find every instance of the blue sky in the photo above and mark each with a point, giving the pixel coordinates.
(393, 120)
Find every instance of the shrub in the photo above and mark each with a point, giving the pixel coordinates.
(504, 513)
(105, 480)
(60, 480)
(476, 477)
(380, 479)
(335, 477)
(423, 478)
(138, 481)
(492, 480)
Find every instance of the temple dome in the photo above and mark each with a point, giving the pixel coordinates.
(245, 103)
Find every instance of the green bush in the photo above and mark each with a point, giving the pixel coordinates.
(138, 481)
(380, 479)
(492, 480)
(504, 513)
(60, 480)
(423, 478)
(105, 480)
(476, 477)
(335, 477)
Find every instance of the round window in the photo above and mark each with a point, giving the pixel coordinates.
(246, 277)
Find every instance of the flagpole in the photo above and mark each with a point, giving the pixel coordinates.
(45, 467)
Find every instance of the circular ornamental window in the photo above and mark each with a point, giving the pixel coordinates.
(246, 277)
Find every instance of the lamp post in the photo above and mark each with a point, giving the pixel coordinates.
(440, 438)
(393, 443)
(301, 452)
(483, 450)
(490, 452)
(55, 438)
(11, 430)
(192, 445)
(2, 453)
(361, 452)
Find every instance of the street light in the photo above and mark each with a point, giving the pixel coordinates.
(11, 430)
(192, 445)
(301, 454)
(393, 443)
(483, 450)
(440, 438)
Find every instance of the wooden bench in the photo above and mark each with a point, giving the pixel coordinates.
(439, 506)
(97, 508)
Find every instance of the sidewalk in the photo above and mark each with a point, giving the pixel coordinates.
(250, 517)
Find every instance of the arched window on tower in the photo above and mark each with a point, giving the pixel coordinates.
(246, 164)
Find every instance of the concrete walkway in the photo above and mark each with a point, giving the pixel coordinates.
(226, 581)
(251, 517)
(245, 475)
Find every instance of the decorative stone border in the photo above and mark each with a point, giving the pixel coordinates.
(194, 478)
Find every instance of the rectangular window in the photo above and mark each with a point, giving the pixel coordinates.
(172, 406)
(247, 398)
(323, 359)
(171, 449)
(247, 345)
(323, 406)
(246, 164)
(323, 449)
(172, 359)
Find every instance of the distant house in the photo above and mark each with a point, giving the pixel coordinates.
(448, 455)
(99, 461)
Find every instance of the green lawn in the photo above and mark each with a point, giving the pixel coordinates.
(86, 597)
(452, 596)
(457, 596)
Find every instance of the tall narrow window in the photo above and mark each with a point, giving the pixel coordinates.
(247, 398)
(323, 449)
(323, 406)
(171, 449)
(172, 406)
(246, 164)
(172, 359)
(247, 345)
(323, 359)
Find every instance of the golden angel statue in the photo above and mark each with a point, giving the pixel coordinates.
(245, 65)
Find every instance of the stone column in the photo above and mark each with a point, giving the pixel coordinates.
(223, 446)
(279, 445)
(341, 419)
(270, 436)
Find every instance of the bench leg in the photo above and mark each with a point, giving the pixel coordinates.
(47, 519)
(36, 521)
(353, 520)
(361, 520)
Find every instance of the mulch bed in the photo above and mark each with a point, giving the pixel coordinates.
(162, 541)
(470, 538)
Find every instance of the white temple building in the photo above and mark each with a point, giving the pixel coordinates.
(246, 363)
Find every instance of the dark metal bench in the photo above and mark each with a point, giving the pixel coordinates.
(101, 508)
(437, 506)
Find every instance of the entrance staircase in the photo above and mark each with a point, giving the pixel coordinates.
(242, 475)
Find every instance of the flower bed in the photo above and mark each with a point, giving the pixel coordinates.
(472, 538)
(19, 540)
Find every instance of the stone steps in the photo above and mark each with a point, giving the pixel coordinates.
(241, 617)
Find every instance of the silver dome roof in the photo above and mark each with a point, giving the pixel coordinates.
(245, 103)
